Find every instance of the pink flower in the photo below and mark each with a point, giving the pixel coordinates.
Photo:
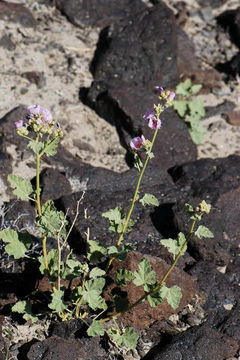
(19, 124)
(137, 142)
(153, 122)
(171, 96)
(39, 114)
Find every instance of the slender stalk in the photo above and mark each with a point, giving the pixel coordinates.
(39, 207)
(135, 197)
(161, 282)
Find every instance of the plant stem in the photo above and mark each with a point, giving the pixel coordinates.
(161, 282)
(135, 197)
(39, 207)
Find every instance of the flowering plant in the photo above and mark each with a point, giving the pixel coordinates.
(85, 300)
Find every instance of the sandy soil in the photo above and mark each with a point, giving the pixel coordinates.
(63, 53)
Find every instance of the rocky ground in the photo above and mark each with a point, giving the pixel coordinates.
(94, 65)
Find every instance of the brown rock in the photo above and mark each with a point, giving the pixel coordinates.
(233, 118)
(17, 13)
(144, 315)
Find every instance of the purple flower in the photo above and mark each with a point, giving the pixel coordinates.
(154, 123)
(137, 142)
(39, 113)
(171, 96)
(19, 124)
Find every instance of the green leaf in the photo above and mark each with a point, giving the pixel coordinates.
(50, 147)
(138, 164)
(57, 304)
(18, 243)
(51, 221)
(127, 338)
(173, 245)
(52, 259)
(195, 89)
(23, 187)
(122, 276)
(144, 275)
(180, 106)
(25, 308)
(155, 299)
(172, 295)
(184, 87)
(116, 219)
(96, 272)
(95, 251)
(35, 146)
(196, 106)
(203, 232)
(96, 329)
(149, 199)
(120, 253)
(92, 293)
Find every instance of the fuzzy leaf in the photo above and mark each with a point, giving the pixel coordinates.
(123, 275)
(144, 275)
(203, 232)
(96, 251)
(155, 299)
(120, 253)
(92, 293)
(196, 106)
(18, 243)
(174, 245)
(116, 219)
(180, 106)
(51, 220)
(25, 308)
(96, 272)
(23, 187)
(57, 304)
(149, 199)
(195, 89)
(127, 338)
(35, 146)
(184, 87)
(172, 295)
(52, 259)
(96, 329)
(50, 148)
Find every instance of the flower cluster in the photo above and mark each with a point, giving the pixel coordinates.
(39, 120)
(152, 116)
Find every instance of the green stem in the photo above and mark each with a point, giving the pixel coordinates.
(39, 207)
(135, 197)
(161, 282)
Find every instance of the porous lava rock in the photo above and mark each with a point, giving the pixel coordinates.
(143, 315)
(17, 13)
(156, 51)
(201, 342)
(54, 184)
(56, 348)
(99, 13)
(216, 181)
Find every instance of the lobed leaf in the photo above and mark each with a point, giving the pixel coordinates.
(149, 199)
(96, 329)
(35, 146)
(52, 220)
(18, 243)
(122, 276)
(50, 146)
(172, 295)
(174, 245)
(22, 187)
(203, 232)
(180, 106)
(25, 308)
(144, 275)
(57, 304)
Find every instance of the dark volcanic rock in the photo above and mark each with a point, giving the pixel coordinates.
(35, 77)
(155, 52)
(54, 184)
(231, 67)
(230, 21)
(217, 182)
(56, 348)
(98, 12)
(16, 13)
(198, 343)
(7, 43)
